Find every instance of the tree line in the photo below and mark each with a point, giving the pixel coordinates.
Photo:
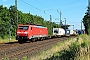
(8, 21)
(86, 21)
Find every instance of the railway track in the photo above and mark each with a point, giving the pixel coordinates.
(17, 50)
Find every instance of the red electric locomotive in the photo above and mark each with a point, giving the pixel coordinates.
(30, 32)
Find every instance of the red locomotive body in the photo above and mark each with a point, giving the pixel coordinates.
(27, 32)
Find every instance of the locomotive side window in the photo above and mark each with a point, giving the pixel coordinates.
(31, 28)
(23, 27)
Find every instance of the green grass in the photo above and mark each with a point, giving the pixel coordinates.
(78, 50)
(6, 39)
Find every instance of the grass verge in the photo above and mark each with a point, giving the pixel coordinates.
(6, 39)
(72, 49)
(53, 50)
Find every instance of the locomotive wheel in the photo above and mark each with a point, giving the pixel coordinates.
(33, 40)
(20, 41)
(42, 39)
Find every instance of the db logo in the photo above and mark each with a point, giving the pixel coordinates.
(21, 32)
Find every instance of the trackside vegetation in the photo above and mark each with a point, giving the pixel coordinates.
(86, 21)
(71, 49)
(6, 39)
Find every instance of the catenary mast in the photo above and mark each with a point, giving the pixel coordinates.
(16, 11)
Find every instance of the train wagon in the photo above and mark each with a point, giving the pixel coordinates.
(58, 32)
(30, 32)
(75, 32)
(71, 32)
(67, 32)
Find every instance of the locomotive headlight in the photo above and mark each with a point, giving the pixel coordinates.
(26, 33)
(18, 33)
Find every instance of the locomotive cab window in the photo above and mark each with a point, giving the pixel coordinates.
(23, 27)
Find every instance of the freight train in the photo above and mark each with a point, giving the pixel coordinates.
(34, 32)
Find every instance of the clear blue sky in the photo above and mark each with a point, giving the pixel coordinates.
(72, 10)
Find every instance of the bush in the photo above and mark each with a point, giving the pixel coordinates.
(84, 44)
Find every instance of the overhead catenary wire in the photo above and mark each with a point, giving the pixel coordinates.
(71, 4)
(43, 11)
(41, 3)
(60, 7)
(32, 6)
(45, 6)
(63, 6)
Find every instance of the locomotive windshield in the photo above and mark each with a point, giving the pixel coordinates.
(23, 27)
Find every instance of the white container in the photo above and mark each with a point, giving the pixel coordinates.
(74, 32)
(71, 32)
(58, 31)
